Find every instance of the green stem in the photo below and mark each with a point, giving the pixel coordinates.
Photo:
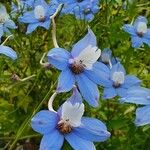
(25, 123)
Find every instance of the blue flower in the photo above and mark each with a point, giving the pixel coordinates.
(119, 82)
(21, 6)
(82, 9)
(5, 22)
(80, 66)
(139, 32)
(106, 56)
(139, 95)
(5, 50)
(67, 123)
(39, 16)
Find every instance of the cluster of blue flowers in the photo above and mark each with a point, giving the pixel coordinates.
(82, 70)
(139, 32)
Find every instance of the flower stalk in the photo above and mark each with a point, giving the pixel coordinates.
(7, 39)
(54, 26)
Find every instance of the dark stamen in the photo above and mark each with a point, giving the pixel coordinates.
(116, 85)
(42, 19)
(77, 68)
(64, 127)
(79, 1)
(140, 34)
(87, 11)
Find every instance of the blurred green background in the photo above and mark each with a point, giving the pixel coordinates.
(19, 101)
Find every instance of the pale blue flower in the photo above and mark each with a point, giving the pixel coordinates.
(80, 67)
(139, 32)
(38, 17)
(139, 95)
(68, 124)
(5, 50)
(82, 9)
(119, 82)
(5, 22)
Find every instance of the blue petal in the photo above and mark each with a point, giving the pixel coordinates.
(99, 74)
(29, 3)
(41, 2)
(147, 34)
(89, 17)
(44, 121)
(135, 100)
(76, 97)
(52, 141)
(138, 91)
(129, 29)
(146, 40)
(117, 68)
(32, 27)
(109, 93)
(8, 52)
(66, 81)
(10, 24)
(137, 95)
(92, 130)
(28, 17)
(1, 31)
(122, 92)
(130, 81)
(140, 19)
(136, 41)
(78, 143)
(45, 24)
(88, 89)
(142, 116)
(89, 39)
(95, 8)
(6, 30)
(59, 57)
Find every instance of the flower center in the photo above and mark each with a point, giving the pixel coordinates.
(64, 127)
(87, 11)
(39, 13)
(141, 28)
(3, 17)
(118, 79)
(77, 67)
(79, 1)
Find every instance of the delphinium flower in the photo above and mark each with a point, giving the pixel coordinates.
(68, 123)
(5, 50)
(119, 82)
(139, 32)
(82, 9)
(21, 6)
(5, 22)
(139, 95)
(39, 16)
(107, 58)
(80, 66)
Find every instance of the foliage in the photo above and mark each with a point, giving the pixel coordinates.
(19, 101)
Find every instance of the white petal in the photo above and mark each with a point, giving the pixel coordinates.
(39, 12)
(118, 77)
(72, 113)
(142, 27)
(3, 14)
(89, 56)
